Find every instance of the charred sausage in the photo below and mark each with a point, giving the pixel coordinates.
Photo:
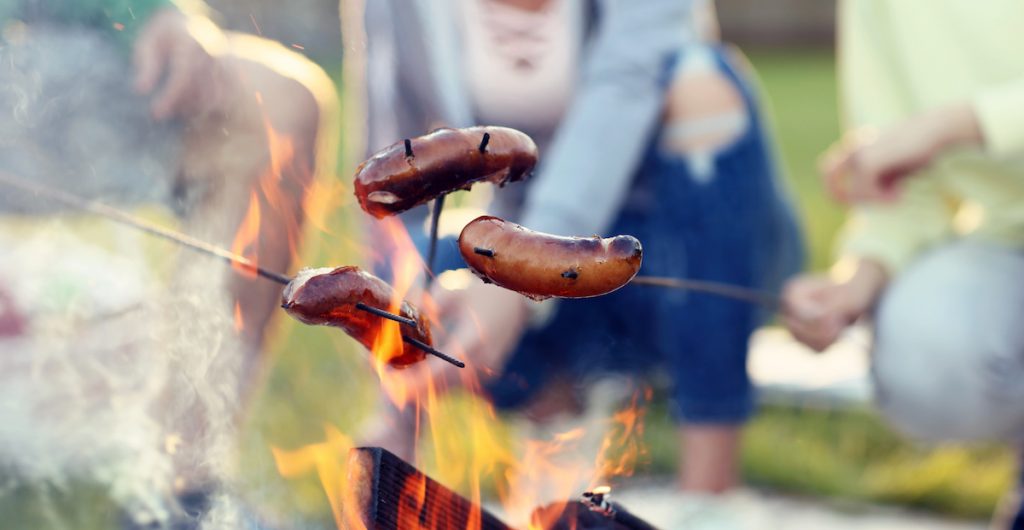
(413, 172)
(329, 297)
(541, 266)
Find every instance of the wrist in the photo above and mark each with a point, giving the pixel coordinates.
(955, 126)
(862, 281)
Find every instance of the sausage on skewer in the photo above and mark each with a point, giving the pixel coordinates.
(540, 266)
(330, 297)
(415, 171)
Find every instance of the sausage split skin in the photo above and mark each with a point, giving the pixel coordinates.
(328, 297)
(541, 266)
(413, 172)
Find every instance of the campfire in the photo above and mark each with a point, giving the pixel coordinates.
(371, 488)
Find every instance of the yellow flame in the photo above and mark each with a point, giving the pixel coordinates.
(247, 237)
(472, 450)
(623, 445)
(328, 459)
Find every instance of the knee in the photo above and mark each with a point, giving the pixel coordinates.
(937, 374)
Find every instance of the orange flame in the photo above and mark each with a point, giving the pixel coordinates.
(247, 237)
(623, 445)
(407, 266)
(469, 443)
(328, 459)
(239, 321)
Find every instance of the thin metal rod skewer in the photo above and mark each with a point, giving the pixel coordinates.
(119, 216)
(187, 241)
(385, 314)
(435, 220)
(753, 296)
(429, 349)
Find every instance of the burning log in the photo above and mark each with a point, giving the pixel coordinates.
(579, 515)
(393, 495)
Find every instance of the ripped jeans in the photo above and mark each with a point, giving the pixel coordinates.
(707, 204)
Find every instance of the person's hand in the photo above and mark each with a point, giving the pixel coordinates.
(179, 50)
(870, 166)
(816, 309)
(483, 321)
(480, 325)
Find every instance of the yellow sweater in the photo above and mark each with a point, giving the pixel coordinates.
(901, 57)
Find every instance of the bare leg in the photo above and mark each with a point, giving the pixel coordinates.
(710, 458)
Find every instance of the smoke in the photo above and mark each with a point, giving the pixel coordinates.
(69, 118)
(126, 372)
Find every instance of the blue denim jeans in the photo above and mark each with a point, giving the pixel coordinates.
(732, 225)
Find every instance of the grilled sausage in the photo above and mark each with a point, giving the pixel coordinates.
(328, 297)
(540, 265)
(413, 172)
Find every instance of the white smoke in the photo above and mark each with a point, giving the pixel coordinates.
(126, 374)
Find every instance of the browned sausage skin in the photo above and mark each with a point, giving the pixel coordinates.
(541, 266)
(328, 297)
(412, 172)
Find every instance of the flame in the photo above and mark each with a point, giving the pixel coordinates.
(466, 446)
(406, 266)
(623, 445)
(328, 459)
(239, 321)
(247, 238)
(321, 199)
(282, 181)
(471, 448)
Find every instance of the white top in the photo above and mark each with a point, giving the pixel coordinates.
(521, 66)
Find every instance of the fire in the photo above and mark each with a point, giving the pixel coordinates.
(321, 199)
(407, 267)
(238, 319)
(467, 447)
(247, 238)
(623, 446)
(328, 459)
(283, 180)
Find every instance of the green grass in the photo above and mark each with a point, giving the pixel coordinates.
(853, 457)
(799, 89)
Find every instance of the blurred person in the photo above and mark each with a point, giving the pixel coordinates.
(933, 94)
(119, 361)
(646, 126)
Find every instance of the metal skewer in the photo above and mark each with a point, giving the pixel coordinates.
(192, 243)
(429, 349)
(745, 294)
(435, 220)
(384, 314)
(124, 218)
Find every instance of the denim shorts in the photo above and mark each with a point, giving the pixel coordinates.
(736, 227)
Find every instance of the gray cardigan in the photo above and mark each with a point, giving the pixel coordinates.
(415, 84)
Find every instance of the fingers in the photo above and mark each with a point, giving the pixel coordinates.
(814, 311)
(181, 67)
(149, 58)
(447, 302)
(835, 167)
